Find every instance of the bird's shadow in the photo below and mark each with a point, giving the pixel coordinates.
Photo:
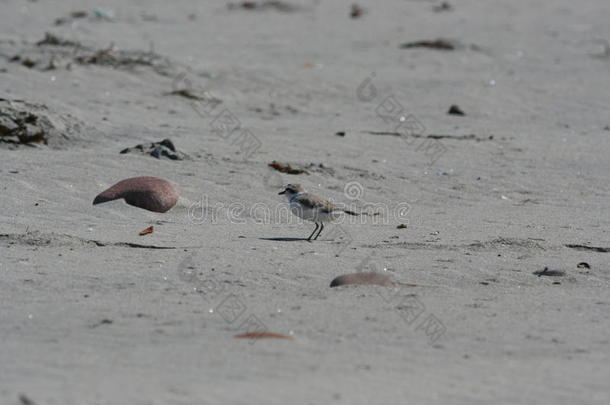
(284, 239)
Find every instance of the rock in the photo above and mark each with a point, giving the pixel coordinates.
(162, 149)
(455, 110)
(149, 193)
(24, 123)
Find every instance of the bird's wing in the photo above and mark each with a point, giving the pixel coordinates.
(313, 202)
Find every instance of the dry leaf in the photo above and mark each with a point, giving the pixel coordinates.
(286, 168)
(146, 231)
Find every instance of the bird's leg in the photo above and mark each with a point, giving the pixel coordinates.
(314, 231)
(320, 231)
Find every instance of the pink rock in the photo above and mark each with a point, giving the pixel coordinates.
(150, 193)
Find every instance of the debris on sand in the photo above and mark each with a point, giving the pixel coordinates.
(363, 278)
(318, 168)
(186, 93)
(74, 15)
(549, 273)
(264, 5)
(25, 400)
(126, 59)
(356, 11)
(24, 123)
(525, 201)
(161, 149)
(102, 14)
(444, 6)
(401, 226)
(286, 168)
(50, 39)
(589, 248)
(441, 44)
(104, 321)
(54, 51)
(204, 97)
(262, 335)
(583, 265)
(455, 110)
(467, 137)
(149, 193)
(273, 111)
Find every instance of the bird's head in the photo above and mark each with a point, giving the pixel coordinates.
(292, 189)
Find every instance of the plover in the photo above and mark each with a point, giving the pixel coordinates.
(312, 208)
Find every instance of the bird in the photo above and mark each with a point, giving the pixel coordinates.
(311, 208)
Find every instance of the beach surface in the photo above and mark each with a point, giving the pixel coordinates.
(469, 205)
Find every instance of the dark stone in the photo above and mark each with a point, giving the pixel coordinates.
(162, 149)
(455, 110)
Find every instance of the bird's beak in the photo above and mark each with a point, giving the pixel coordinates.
(281, 192)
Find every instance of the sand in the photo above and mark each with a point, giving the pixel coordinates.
(93, 313)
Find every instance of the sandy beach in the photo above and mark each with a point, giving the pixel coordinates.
(473, 136)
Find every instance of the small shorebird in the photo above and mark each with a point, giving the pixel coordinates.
(312, 208)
